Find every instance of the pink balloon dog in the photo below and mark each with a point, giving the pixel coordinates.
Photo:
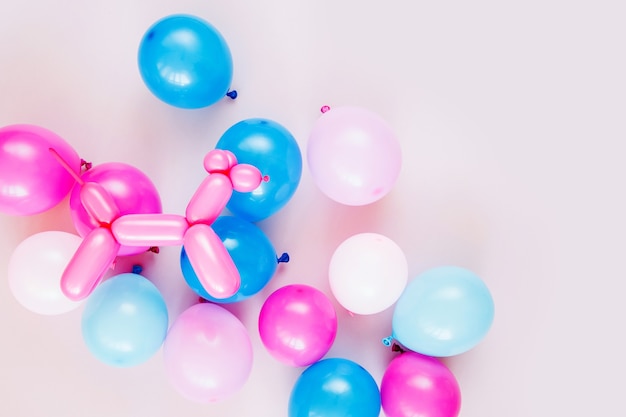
(209, 258)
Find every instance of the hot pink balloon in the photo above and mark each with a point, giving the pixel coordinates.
(353, 155)
(31, 180)
(131, 190)
(418, 385)
(207, 353)
(297, 324)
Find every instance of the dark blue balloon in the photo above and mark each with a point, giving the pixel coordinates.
(185, 62)
(251, 251)
(335, 387)
(274, 151)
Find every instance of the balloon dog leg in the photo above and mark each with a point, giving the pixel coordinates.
(211, 261)
(85, 270)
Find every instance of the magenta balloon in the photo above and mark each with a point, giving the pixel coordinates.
(31, 179)
(418, 385)
(131, 189)
(353, 155)
(297, 324)
(207, 353)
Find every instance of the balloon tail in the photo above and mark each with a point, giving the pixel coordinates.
(66, 166)
(324, 109)
(137, 269)
(283, 258)
(153, 249)
(232, 94)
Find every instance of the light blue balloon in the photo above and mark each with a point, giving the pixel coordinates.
(274, 151)
(251, 251)
(185, 62)
(125, 320)
(443, 312)
(335, 387)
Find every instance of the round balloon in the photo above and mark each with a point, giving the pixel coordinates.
(297, 324)
(418, 385)
(132, 191)
(272, 149)
(445, 311)
(185, 62)
(335, 387)
(353, 155)
(367, 273)
(125, 320)
(31, 179)
(35, 269)
(251, 251)
(207, 353)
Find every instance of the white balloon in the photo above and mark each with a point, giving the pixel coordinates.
(368, 273)
(35, 270)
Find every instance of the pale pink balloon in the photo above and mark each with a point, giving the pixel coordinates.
(418, 385)
(207, 354)
(353, 155)
(31, 179)
(297, 324)
(211, 261)
(150, 229)
(35, 269)
(131, 190)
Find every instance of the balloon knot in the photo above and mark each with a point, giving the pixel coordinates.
(266, 178)
(324, 109)
(232, 94)
(137, 269)
(283, 258)
(153, 249)
(86, 165)
(397, 348)
(387, 341)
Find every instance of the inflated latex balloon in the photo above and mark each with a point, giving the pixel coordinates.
(444, 311)
(273, 150)
(31, 179)
(251, 251)
(353, 155)
(335, 387)
(125, 320)
(207, 354)
(185, 62)
(297, 324)
(35, 269)
(367, 273)
(131, 190)
(418, 385)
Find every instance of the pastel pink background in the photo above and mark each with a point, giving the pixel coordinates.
(511, 121)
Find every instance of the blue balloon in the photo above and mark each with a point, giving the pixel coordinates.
(443, 312)
(273, 150)
(185, 62)
(251, 251)
(125, 320)
(335, 387)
